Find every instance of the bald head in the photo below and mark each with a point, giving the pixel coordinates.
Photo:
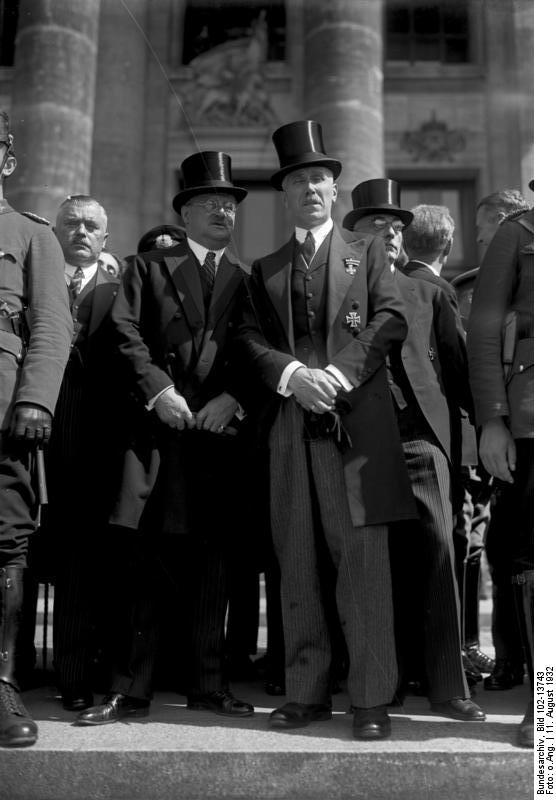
(81, 228)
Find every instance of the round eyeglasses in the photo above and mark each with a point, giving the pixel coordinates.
(379, 223)
(228, 207)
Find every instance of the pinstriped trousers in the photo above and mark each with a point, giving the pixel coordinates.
(429, 473)
(309, 504)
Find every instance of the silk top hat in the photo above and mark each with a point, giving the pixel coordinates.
(299, 144)
(208, 171)
(377, 196)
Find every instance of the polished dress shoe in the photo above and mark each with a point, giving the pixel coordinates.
(505, 675)
(77, 702)
(371, 723)
(457, 708)
(17, 729)
(473, 675)
(113, 708)
(480, 660)
(526, 730)
(221, 702)
(299, 715)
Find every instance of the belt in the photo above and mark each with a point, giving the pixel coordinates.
(11, 325)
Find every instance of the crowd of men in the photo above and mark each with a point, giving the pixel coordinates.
(176, 405)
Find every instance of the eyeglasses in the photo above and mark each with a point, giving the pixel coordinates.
(228, 207)
(379, 223)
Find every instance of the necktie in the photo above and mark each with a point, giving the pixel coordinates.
(307, 249)
(209, 268)
(75, 283)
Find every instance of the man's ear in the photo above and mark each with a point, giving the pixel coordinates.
(184, 214)
(448, 248)
(9, 167)
(106, 235)
(335, 192)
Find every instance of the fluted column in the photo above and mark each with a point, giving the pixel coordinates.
(53, 100)
(119, 156)
(343, 86)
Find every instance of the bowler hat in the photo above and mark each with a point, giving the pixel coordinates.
(299, 144)
(377, 196)
(208, 171)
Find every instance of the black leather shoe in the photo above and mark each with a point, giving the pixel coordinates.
(472, 674)
(505, 675)
(221, 702)
(17, 729)
(464, 710)
(299, 715)
(526, 730)
(77, 702)
(113, 708)
(480, 660)
(371, 723)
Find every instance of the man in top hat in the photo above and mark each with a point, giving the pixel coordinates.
(35, 333)
(175, 316)
(429, 383)
(325, 314)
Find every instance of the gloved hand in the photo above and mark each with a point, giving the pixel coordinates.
(31, 423)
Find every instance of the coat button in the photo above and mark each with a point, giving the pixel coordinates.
(309, 295)
(177, 315)
(310, 313)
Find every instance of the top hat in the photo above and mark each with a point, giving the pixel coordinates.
(299, 144)
(208, 171)
(377, 196)
(154, 239)
(531, 184)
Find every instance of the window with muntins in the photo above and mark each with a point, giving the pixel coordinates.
(418, 31)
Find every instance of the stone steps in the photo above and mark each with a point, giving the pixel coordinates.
(177, 754)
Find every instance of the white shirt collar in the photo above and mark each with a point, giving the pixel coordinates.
(200, 251)
(88, 273)
(319, 233)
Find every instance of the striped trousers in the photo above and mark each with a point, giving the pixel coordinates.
(309, 512)
(426, 582)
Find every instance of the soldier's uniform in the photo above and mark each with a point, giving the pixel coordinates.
(33, 295)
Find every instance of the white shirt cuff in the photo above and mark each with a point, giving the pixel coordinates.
(150, 405)
(282, 387)
(347, 385)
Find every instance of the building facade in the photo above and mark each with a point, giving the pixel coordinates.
(108, 97)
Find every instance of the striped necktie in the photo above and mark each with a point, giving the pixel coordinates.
(209, 268)
(75, 283)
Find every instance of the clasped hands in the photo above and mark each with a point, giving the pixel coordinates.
(172, 409)
(314, 389)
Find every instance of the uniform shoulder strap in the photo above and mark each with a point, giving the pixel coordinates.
(35, 217)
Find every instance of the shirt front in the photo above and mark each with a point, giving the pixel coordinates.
(200, 253)
(88, 273)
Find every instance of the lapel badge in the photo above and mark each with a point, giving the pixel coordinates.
(353, 320)
(432, 353)
(351, 265)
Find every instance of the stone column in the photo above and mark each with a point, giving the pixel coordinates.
(504, 97)
(524, 35)
(53, 100)
(119, 156)
(343, 87)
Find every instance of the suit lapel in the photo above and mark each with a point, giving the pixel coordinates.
(276, 272)
(343, 265)
(104, 291)
(228, 277)
(183, 272)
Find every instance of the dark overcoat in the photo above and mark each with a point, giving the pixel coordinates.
(364, 318)
(434, 359)
(166, 336)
